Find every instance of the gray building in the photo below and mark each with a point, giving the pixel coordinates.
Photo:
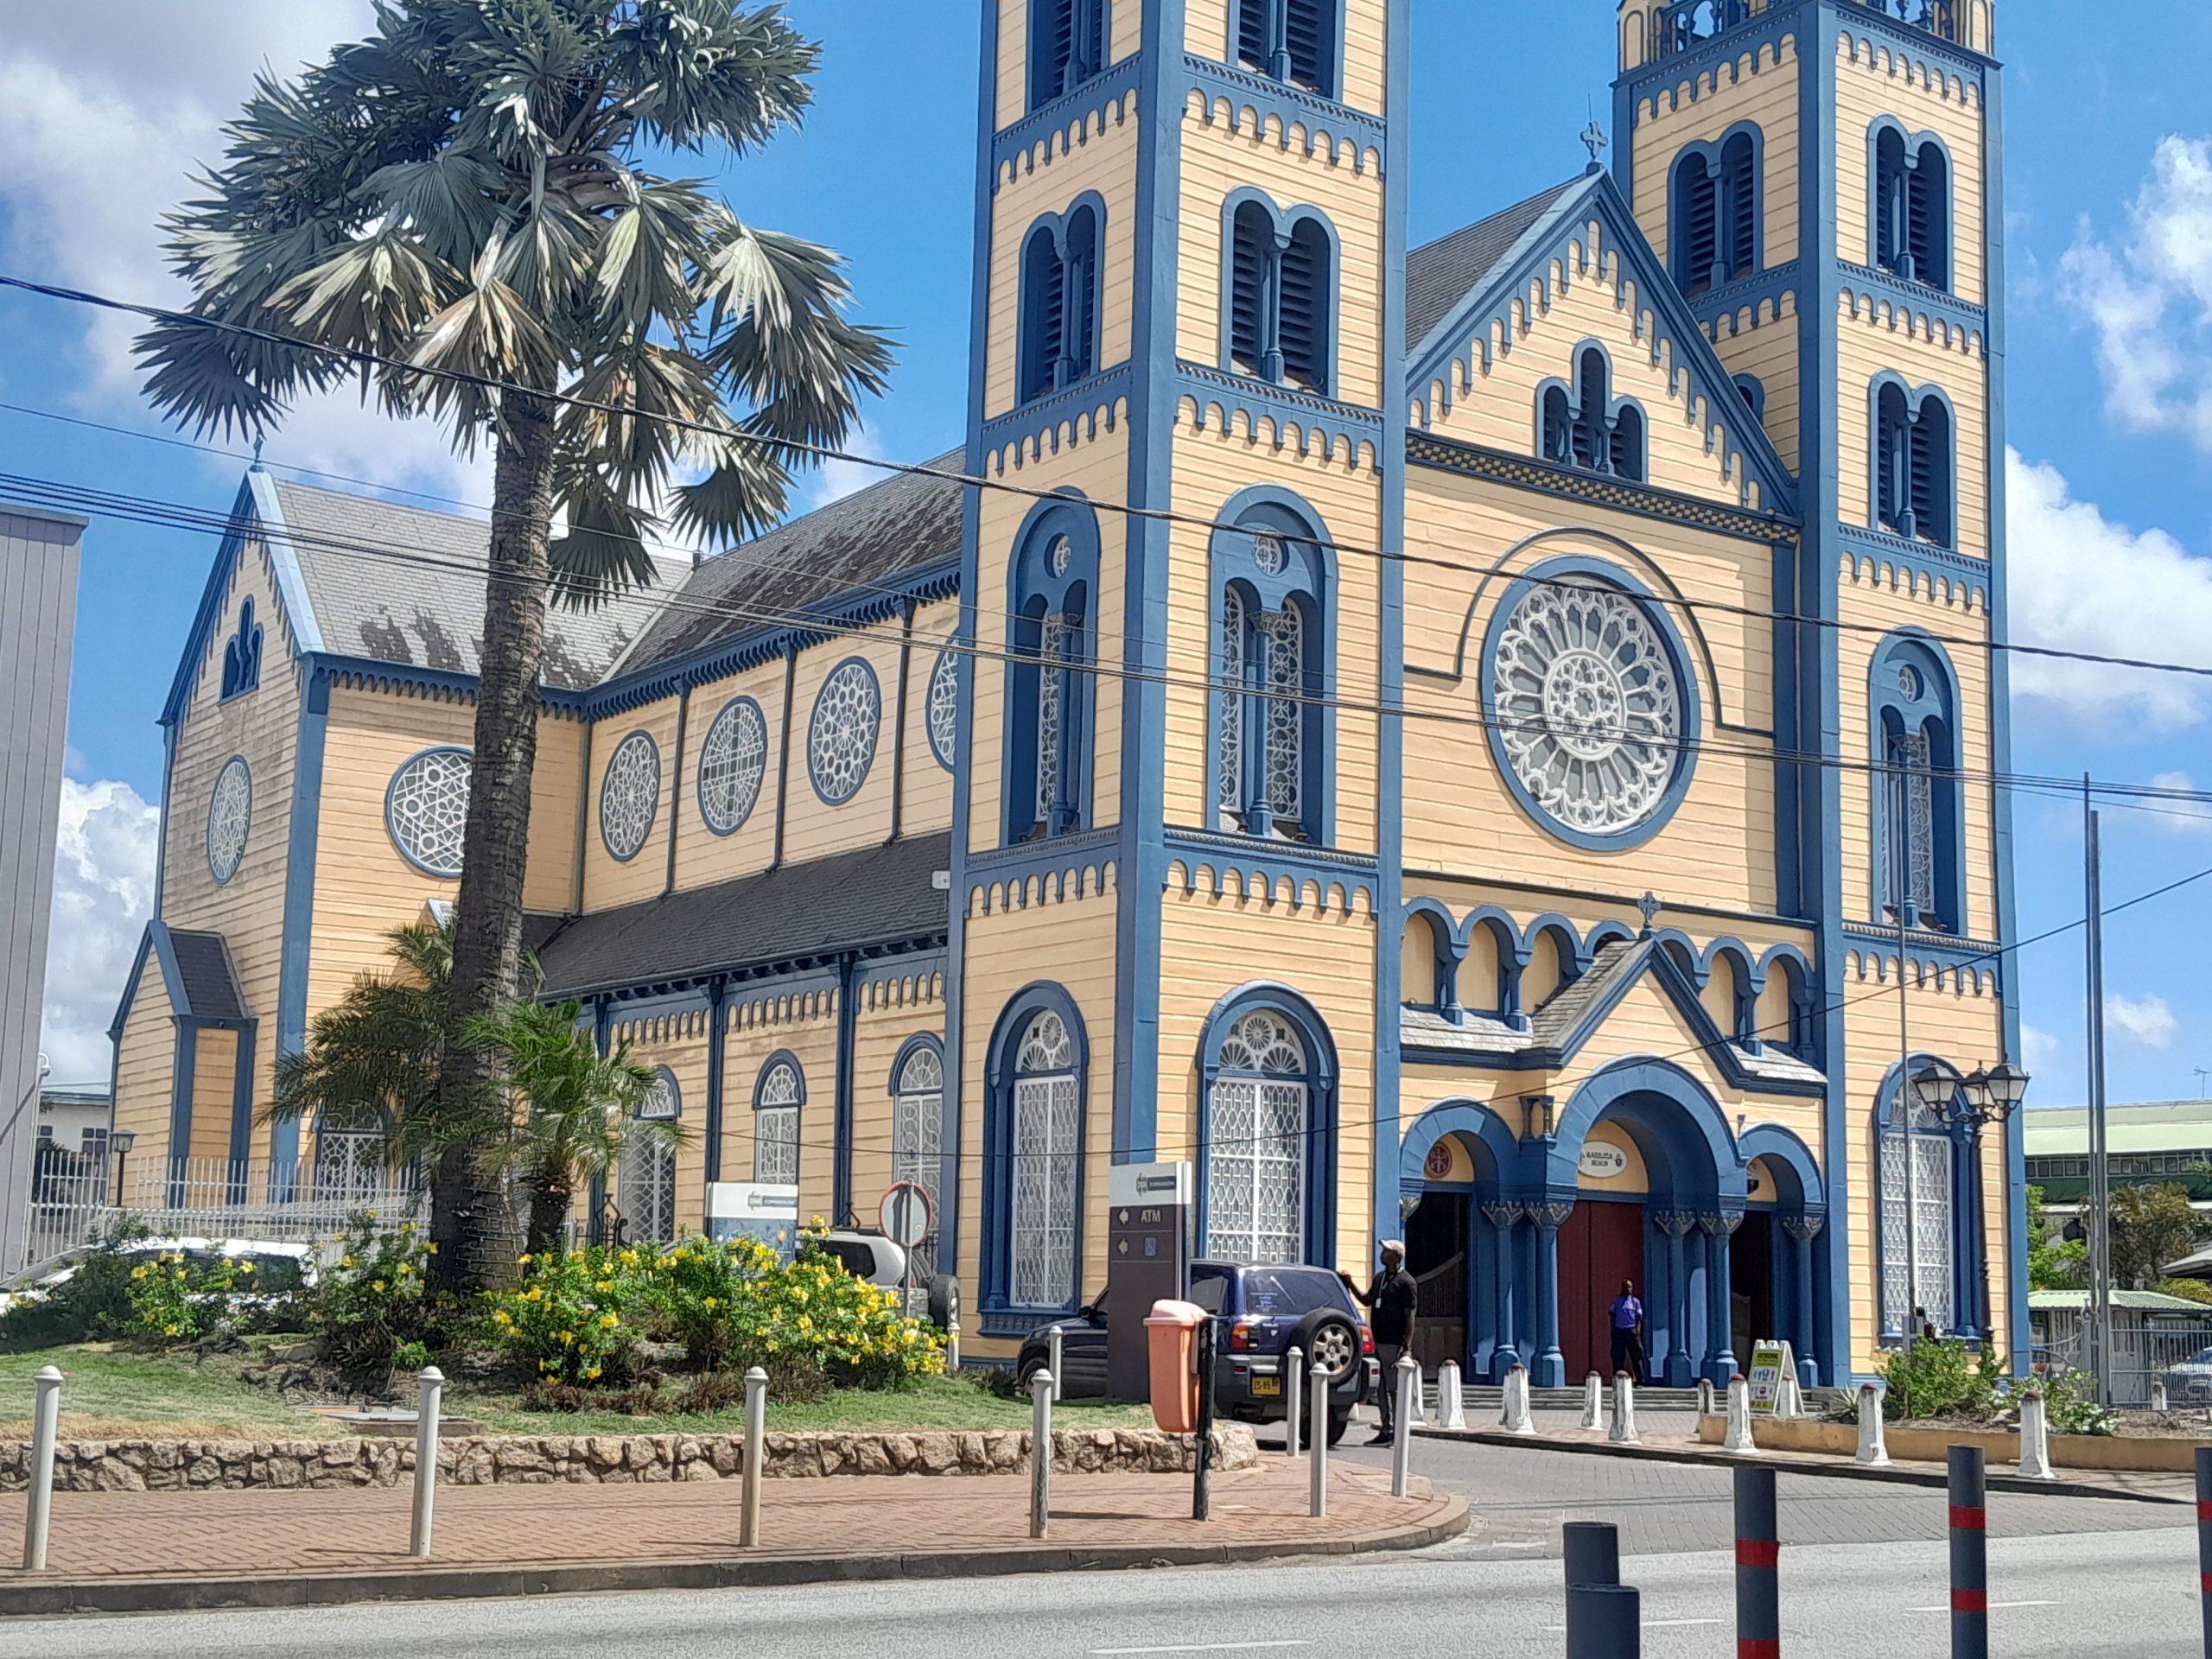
(38, 618)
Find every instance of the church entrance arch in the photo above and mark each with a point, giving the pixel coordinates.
(1465, 1244)
(1601, 1247)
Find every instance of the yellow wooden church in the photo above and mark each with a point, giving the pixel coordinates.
(1488, 742)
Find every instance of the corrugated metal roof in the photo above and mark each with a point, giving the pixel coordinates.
(2142, 1302)
(1440, 274)
(372, 598)
(2147, 1126)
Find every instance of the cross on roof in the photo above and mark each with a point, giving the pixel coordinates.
(1594, 140)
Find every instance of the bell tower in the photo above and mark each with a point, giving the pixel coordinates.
(1175, 790)
(1824, 181)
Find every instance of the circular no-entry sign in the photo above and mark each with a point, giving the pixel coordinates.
(905, 1217)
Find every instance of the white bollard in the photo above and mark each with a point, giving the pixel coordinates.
(1593, 1400)
(1622, 1431)
(1516, 1419)
(952, 1349)
(756, 1453)
(2035, 1437)
(1293, 1397)
(1408, 1383)
(1041, 1386)
(1704, 1400)
(1789, 1397)
(430, 1387)
(45, 1429)
(1738, 1437)
(1873, 1451)
(1450, 1398)
(1053, 1340)
(1317, 1445)
(2157, 1393)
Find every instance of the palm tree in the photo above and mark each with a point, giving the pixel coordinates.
(461, 199)
(575, 1108)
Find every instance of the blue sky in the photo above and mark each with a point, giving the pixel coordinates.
(2109, 230)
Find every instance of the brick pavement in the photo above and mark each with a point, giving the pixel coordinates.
(229, 1534)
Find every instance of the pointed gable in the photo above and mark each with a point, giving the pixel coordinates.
(1578, 268)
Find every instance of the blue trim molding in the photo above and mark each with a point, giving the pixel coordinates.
(999, 1314)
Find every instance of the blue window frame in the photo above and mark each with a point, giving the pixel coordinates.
(1271, 669)
(242, 655)
(1267, 1130)
(1067, 46)
(1279, 320)
(1582, 425)
(1714, 230)
(1912, 204)
(1052, 596)
(1754, 392)
(1925, 1173)
(1915, 461)
(1919, 810)
(1037, 1080)
(1295, 41)
(1059, 299)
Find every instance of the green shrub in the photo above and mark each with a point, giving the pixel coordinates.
(371, 1308)
(92, 1305)
(1939, 1379)
(180, 1301)
(570, 1321)
(2070, 1401)
(2189, 1290)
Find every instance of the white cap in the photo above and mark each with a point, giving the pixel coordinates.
(1395, 1246)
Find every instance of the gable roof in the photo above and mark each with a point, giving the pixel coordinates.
(1440, 274)
(848, 901)
(197, 976)
(903, 522)
(1462, 331)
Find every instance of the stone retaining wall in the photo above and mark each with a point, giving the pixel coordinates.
(584, 1460)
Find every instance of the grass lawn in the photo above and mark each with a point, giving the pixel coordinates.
(113, 1393)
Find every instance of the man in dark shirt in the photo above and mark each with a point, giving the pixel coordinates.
(1390, 1299)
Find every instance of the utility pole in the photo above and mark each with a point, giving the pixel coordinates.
(1900, 862)
(2099, 1217)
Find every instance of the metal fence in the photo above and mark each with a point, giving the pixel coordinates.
(2143, 1351)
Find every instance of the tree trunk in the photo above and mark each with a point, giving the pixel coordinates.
(470, 1218)
(550, 1196)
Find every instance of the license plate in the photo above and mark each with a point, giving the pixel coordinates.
(1267, 1385)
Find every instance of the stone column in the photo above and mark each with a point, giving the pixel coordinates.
(1719, 1227)
(1550, 1369)
(1676, 1365)
(1804, 1333)
(1503, 1217)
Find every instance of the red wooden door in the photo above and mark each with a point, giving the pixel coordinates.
(1601, 1244)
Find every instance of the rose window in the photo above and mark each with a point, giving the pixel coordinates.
(841, 738)
(230, 812)
(731, 762)
(1588, 705)
(427, 809)
(629, 796)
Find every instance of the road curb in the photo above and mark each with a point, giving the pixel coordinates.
(1899, 1474)
(33, 1598)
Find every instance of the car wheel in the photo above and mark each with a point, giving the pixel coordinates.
(944, 1300)
(1330, 1343)
(1338, 1425)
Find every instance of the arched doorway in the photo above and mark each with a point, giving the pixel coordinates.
(1437, 1231)
(1467, 1240)
(1601, 1246)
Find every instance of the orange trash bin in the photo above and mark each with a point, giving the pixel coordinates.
(1171, 1335)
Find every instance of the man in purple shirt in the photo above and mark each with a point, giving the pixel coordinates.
(1628, 1331)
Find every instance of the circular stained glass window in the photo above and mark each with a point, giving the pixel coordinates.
(841, 737)
(229, 814)
(426, 809)
(1060, 555)
(731, 762)
(629, 796)
(1588, 706)
(1267, 552)
(945, 706)
(1908, 682)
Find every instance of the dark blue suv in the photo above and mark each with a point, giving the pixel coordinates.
(1260, 1314)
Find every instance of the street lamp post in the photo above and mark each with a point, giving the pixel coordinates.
(119, 1143)
(1981, 1098)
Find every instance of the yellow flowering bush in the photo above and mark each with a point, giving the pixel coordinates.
(370, 1306)
(179, 1300)
(567, 1321)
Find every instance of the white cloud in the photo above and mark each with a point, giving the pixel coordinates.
(2039, 1050)
(2176, 817)
(2151, 301)
(2146, 1019)
(112, 106)
(2079, 582)
(835, 479)
(103, 893)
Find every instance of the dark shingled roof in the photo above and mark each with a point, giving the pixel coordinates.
(1440, 274)
(370, 599)
(211, 991)
(876, 535)
(879, 895)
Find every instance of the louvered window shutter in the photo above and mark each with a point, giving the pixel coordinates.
(1054, 22)
(1248, 278)
(1305, 309)
(1741, 170)
(1890, 439)
(1307, 37)
(1087, 36)
(1889, 201)
(1041, 302)
(1927, 214)
(1932, 472)
(1698, 217)
(1592, 448)
(1628, 446)
(1252, 33)
(1558, 417)
(1082, 281)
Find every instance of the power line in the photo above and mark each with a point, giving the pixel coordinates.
(367, 359)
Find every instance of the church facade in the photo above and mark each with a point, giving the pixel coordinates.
(1488, 742)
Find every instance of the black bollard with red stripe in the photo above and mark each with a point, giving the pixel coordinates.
(2204, 1539)
(1969, 1555)
(1758, 1553)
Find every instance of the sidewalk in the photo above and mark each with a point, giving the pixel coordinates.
(1674, 1439)
(119, 1552)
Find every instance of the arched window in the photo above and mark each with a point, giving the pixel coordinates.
(1292, 41)
(1258, 1113)
(1054, 586)
(1919, 1213)
(918, 1133)
(1281, 295)
(1912, 206)
(1584, 426)
(1059, 300)
(1046, 1123)
(1918, 831)
(242, 654)
(1716, 200)
(1270, 717)
(1914, 462)
(776, 1101)
(350, 1161)
(1753, 391)
(644, 1186)
(1067, 46)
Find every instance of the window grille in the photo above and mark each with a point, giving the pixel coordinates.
(1931, 1152)
(775, 1126)
(917, 1139)
(1042, 1231)
(1256, 1122)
